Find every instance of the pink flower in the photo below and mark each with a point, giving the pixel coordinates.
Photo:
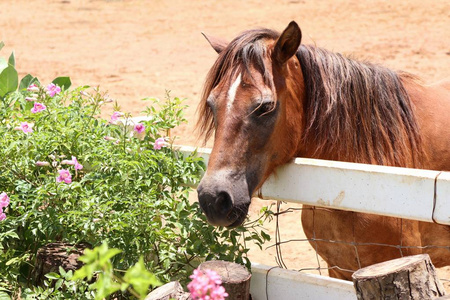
(53, 89)
(159, 143)
(33, 88)
(4, 200)
(38, 107)
(206, 285)
(42, 163)
(64, 175)
(26, 127)
(139, 128)
(115, 117)
(76, 164)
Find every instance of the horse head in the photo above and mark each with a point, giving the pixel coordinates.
(252, 101)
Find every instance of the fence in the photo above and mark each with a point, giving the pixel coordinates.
(422, 195)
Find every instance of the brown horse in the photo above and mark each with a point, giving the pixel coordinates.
(268, 99)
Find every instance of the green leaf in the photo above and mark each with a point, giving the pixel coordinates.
(10, 234)
(4, 295)
(12, 60)
(27, 81)
(105, 256)
(68, 275)
(105, 286)
(52, 275)
(63, 82)
(13, 261)
(58, 284)
(62, 272)
(85, 271)
(1, 45)
(265, 235)
(9, 80)
(140, 278)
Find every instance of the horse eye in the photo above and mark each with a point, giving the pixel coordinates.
(265, 108)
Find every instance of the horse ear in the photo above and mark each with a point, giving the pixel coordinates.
(217, 43)
(288, 43)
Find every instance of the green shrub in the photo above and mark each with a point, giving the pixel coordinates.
(128, 193)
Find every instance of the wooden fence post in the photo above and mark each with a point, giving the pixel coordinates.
(410, 277)
(235, 278)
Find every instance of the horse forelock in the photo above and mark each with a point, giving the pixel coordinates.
(357, 111)
(247, 51)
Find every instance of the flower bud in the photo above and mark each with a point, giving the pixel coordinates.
(42, 163)
(33, 88)
(109, 138)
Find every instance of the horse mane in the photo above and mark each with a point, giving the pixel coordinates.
(358, 111)
(354, 111)
(245, 51)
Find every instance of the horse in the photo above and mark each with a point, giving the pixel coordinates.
(268, 98)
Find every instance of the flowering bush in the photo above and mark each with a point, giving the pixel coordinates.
(69, 175)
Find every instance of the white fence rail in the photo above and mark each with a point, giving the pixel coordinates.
(422, 195)
(273, 283)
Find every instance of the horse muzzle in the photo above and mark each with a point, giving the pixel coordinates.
(224, 198)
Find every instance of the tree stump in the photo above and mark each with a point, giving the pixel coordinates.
(171, 290)
(54, 255)
(411, 277)
(235, 278)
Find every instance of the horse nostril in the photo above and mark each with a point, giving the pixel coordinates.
(223, 203)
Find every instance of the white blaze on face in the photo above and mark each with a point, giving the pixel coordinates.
(232, 91)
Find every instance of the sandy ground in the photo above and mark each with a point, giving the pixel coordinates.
(138, 49)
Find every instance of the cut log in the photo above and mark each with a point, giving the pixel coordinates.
(54, 255)
(171, 290)
(235, 278)
(411, 277)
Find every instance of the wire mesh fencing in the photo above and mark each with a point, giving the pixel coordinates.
(282, 245)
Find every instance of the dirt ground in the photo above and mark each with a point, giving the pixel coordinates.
(138, 49)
